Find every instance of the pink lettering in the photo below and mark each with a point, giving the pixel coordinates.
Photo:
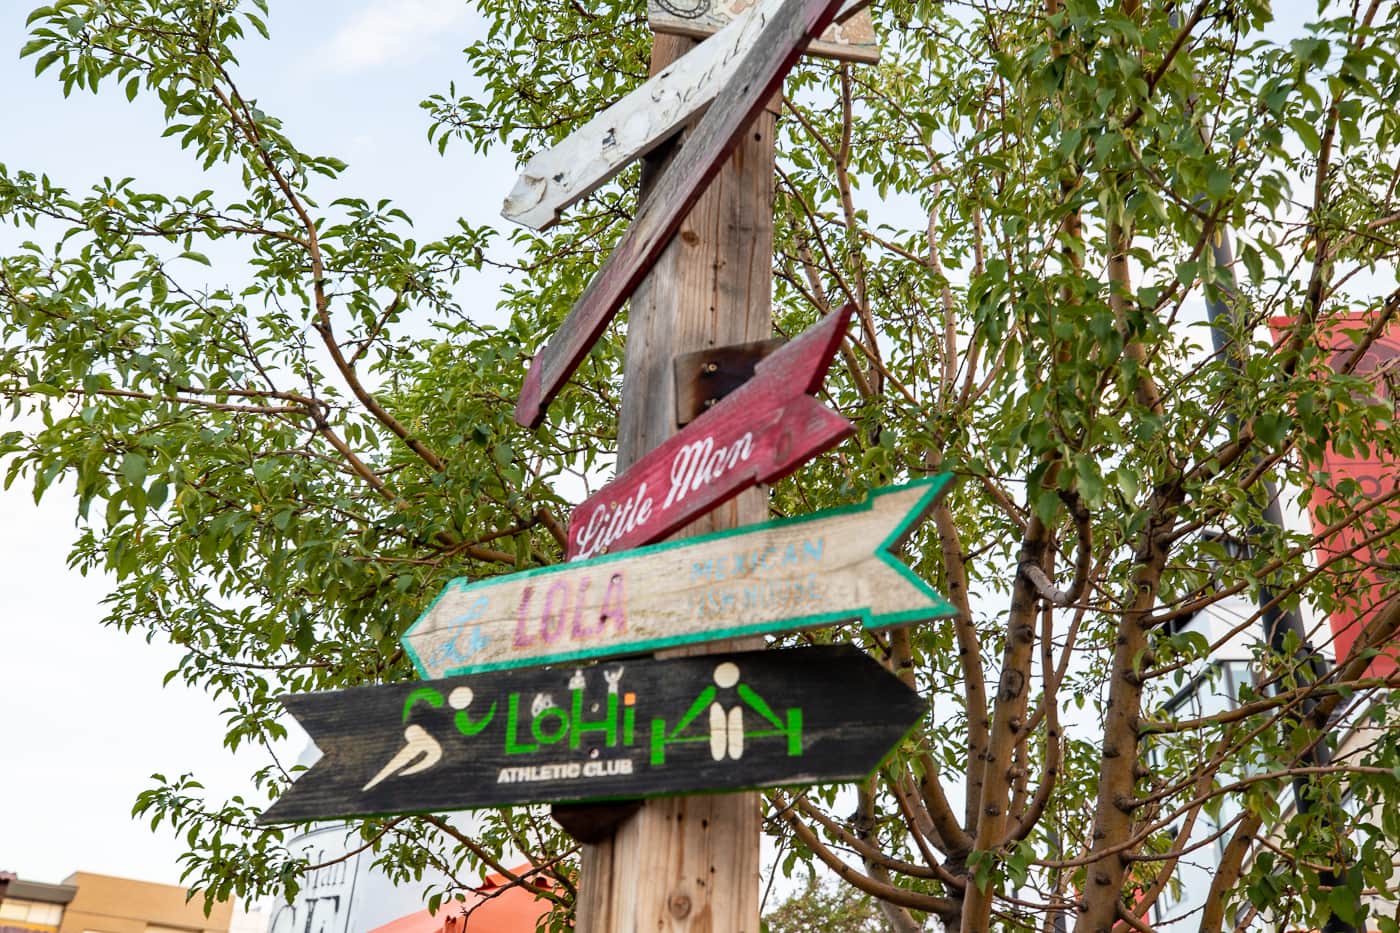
(578, 630)
(552, 620)
(614, 605)
(522, 635)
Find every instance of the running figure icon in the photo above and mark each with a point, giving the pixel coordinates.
(420, 750)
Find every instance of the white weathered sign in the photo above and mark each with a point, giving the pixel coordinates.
(632, 127)
(775, 577)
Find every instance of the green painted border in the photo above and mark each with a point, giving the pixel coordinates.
(939, 608)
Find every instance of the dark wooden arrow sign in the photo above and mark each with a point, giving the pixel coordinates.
(758, 434)
(776, 576)
(637, 728)
(752, 81)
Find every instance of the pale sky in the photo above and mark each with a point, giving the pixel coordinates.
(84, 720)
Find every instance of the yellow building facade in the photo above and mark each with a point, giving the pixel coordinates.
(90, 903)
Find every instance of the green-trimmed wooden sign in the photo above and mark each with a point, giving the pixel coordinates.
(777, 576)
(621, 729)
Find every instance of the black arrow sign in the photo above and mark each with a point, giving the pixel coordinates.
(632, 728)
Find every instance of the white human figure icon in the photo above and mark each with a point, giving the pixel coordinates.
(420, 750)
(612, 677)
(726, 727)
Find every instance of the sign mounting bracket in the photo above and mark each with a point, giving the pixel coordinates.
(706, 376)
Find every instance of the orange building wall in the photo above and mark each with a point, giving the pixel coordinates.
(1361, 597)
(105, 904)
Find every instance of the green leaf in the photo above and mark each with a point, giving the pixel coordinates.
(1218, 182)
(133, 469)
(1272, 428)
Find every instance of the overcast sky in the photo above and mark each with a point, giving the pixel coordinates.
(84, 720)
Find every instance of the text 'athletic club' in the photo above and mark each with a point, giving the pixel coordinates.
(779, 576)
(759, 433)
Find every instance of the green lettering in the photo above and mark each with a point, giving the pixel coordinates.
(578, 726)
(512, 715)
(537, 725)
(424, 694)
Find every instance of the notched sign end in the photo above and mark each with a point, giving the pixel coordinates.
(906, 598)
(522, 205)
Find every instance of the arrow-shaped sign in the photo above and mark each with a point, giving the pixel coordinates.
(759, 433)
(639, 122)
(623, 729)
(773, 577)
(751, 81)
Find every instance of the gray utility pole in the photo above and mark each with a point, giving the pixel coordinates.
(1278, 622)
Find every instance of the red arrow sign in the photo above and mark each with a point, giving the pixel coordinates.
(753, 80)
(759, 433)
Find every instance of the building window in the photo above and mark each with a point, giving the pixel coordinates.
(36, 913)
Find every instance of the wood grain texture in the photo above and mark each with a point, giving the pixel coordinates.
(705, 377)
(772, 577)
(850, 38)
(758, 434)
(745, 92)
(623, 729)
(712, 287)
(560, 176)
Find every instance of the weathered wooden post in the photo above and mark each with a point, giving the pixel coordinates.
(691, 863)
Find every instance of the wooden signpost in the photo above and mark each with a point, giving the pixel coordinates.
(758, 434)
(776, 576)
(633, 728)
(651, 728)
(750, 83)
(850, 38)
(558, 177)
(555, 178)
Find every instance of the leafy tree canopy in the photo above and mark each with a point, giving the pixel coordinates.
(1027, 201)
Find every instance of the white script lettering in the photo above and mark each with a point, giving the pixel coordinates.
(700, 464)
